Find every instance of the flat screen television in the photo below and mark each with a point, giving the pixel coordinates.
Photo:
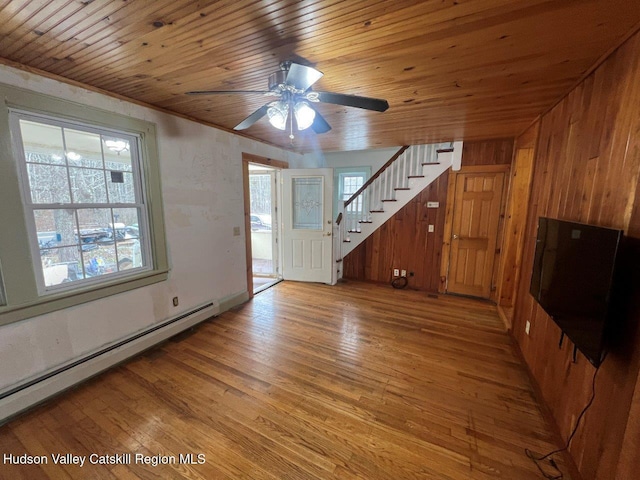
(572, 280)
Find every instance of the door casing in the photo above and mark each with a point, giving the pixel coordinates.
(488, 288)
(246, 159)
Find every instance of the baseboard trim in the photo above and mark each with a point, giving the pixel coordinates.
(25, 396)
(231, 301)
(505, 318)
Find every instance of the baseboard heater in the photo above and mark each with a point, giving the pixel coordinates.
(29, 394)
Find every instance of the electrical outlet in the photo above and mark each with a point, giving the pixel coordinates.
(527, 327)
(396, 272)
(431, 228)
(175, 301)
(404, 273)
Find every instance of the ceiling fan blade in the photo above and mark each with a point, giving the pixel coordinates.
(377, 104)
(319, 124)
(253, 118)
(302, 77)
(226, 92)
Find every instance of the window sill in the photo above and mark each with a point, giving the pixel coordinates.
(60, 301)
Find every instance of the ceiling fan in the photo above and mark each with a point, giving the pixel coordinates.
(292, 84)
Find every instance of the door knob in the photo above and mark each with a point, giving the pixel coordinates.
(328, 234)
(455, 237)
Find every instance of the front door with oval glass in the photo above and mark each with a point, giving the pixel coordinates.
(307, 225)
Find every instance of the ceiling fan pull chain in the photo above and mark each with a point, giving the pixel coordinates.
(290, 123)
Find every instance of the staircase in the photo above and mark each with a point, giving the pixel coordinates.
(403, 177)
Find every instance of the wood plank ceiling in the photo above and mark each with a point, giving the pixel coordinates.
(450, 69)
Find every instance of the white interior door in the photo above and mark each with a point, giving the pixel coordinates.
(307, 226)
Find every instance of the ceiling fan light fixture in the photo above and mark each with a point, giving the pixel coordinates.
(277, 113)
(292, 83)
(305, 115)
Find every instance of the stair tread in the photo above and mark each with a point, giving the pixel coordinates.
(431, 163)
(402, 188)
(444, 150)
(376, 211)
(415, 176)
(365, 221)
(390, 200)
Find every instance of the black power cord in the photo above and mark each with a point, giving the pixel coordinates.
(399, 282)
(535, 459)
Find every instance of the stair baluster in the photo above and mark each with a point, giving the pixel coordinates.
(406, 170)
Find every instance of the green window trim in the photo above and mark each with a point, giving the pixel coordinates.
(21, 296)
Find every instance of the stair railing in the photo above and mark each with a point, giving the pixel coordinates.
(394, 175)
(367, 198)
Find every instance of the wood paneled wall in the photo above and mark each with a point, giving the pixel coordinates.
(492, 152)
(403, 242)
(586, 169)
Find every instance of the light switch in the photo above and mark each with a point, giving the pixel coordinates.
(431, 228)
(236, 231)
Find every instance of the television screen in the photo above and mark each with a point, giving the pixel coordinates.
(572, 279)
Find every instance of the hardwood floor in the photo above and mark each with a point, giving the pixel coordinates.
(306, 381)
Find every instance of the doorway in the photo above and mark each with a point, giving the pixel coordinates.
(261, 178)
(265, 258)
(474, 227)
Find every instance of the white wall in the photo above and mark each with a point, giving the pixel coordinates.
(370, 158)
(201, 169)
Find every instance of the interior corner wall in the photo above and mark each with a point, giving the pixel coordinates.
(201, 174)
(586, 169)
(515, 220)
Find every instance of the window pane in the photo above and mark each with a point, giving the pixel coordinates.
(127, 221)
(117, 153)
(95, 227)
(129, 254)
(56, 228)
(121, 188)
(42, 143)
(61, 265)
(48, 183)
(83, 148)
(307, 203)
(128, 238)
(351, 184)
(87, 185)
(100, 260)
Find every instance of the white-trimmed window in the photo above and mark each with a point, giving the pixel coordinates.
(84, 201)
(348, 181)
